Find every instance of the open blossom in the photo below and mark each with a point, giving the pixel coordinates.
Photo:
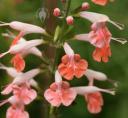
(72, 64)
(100, 37)
(25, 93)
(34, 50)
(94, 102)
(22, 92)
(16, 110)
(100, 2)
(21, 79)
(59, 92)
(19, 50)
(102, 54)
(93, 97)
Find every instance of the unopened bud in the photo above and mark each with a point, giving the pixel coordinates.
(70, 20)
(85, 6)
(56, 12)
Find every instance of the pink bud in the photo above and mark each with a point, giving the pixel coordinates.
(56, 12)
(69, 20)
(85, 6)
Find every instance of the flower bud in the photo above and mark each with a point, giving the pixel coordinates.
(56, 12)
(85, 6)
(69, 20)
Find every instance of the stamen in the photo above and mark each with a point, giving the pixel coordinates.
(118, 25)
(110, 91)
(115, 83)
(120, 40)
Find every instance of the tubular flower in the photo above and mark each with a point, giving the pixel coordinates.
(72, 64)
(19, 50)
(100, 2)
(22, 92)
(93, 97)
(23, 28)
(97, 18)
(59, 92)
(100, 37)
(16, 110)
(21, 79)
(35, 51)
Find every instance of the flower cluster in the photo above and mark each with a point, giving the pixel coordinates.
(71, 65)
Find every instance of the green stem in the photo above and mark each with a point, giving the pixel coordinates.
(68, 8)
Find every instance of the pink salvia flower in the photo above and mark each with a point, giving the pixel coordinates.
(97, 17)
(60, 92)
(22, 78)
(72, 64)
(25, 93)
(16, 112)
(17, 108)
(23, 28)
(102, 54)
(100, 2)
(94, 102)
(35, 51)
(19, 50)
(100, 37)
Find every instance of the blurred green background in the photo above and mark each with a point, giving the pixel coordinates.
(117, 69)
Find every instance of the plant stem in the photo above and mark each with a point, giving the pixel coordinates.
(68, 8)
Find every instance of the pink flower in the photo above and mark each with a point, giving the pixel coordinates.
(100, 37)
(100, 2)
(18, 62)
(97, 18)
(22, 79)
(25, 93)
(19, 50)
(23, 28)
(17, 108)
(59, 92)
(94, 102)
(16, 112)
(102, 54)
(72, 64)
